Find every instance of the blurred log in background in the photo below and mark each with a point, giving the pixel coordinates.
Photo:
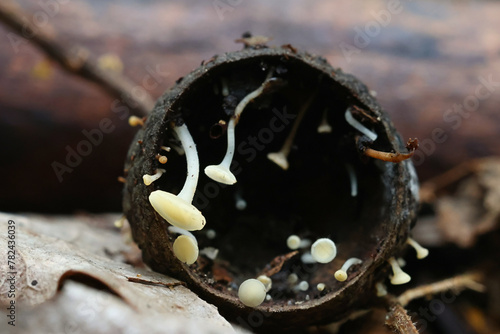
(421, 58)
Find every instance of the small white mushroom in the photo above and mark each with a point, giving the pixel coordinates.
(341, 274)
(135, 121)
(161, 159)
(225, 88)
(178, 210)
(148, 179)
(324, 127)
(241, 204)
(358, 126)
(295, 242)
(399, 277)
(186, 249)
(268, 283)
(210, 252)
(280, 158)
(421, 251)
(353, 180)
(320, 286)
(211, 234)
(303, 286)
(120, 222)
(166, 148)
(221, 172)
(323, 250)
(252, 292)
(292, 279)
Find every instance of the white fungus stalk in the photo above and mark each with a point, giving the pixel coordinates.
(399, 277)
(178, 230)
(353, 180)
(221, 173)
(324, 127)
(381, 289)
(421, 251)
(280, 158)
(225, 88)
(148, 179)
(358, 126)
(341, 274)
(178, 210)
(323, 250)
(307, 258)
(252, 292)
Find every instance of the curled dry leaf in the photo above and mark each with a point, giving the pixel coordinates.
(49, 251)
(466, 201)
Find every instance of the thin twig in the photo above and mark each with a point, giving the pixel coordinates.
(74, 60)
(457, 284)
(149, 282)
(398, 320)
(411, 146)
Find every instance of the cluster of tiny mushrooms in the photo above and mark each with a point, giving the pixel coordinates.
(184, 217)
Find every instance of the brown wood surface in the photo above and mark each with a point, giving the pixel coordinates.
(425, 58)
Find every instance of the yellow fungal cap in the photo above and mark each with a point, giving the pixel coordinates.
(220, 174)
(186, 249)
(293, 242)
(177, 211)
(279, 158)
(252, 292)
(340, 275)
(268, 283)
(323, 250)
(135, 121)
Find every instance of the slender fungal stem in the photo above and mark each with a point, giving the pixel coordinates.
(358, 126)
(324, 127)
(193, 164)
(281, 157)
(353, 179)
(221, 172)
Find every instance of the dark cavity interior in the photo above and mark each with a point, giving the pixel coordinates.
(311, 199)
